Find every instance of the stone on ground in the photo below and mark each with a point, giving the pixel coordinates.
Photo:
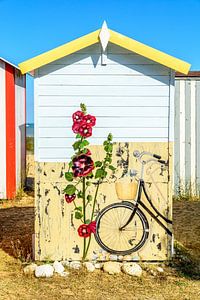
(132, 269)
(30, 269)
(75, 265)
(44, 271)
(112, 267)
(89, 266)
(160, 270)
(58, 267)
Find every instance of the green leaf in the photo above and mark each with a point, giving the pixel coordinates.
(78, 215)
(105, 143)
(87, 221)
(83, 108)
(70, 164)
(98, 163)
(76, 145)
(84, 151)
(70, 189)
(79, 208)
(78, 136)
(110, 137)
(112, 168)
(108, 159)
(99, 173)
(80, 194)
(69, 176)
(89, 198)
(108, 148)
(85, 143)
(88, 183)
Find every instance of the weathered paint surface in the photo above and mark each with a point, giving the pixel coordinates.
(56, 234)
(187, 136)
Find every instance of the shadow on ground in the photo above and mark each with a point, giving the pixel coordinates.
(16, 229)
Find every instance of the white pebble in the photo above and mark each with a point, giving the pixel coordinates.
(44, 271)
(58, 267)
(89, 266)
(132, 269)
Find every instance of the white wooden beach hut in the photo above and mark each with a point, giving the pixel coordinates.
(12, 129)
(129, 87)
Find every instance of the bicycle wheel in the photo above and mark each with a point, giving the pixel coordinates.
(108, 234)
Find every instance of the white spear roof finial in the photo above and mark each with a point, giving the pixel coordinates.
(104, 36)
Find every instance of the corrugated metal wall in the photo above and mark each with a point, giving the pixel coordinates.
(187, 136)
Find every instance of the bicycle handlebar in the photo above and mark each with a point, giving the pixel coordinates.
(156, 157)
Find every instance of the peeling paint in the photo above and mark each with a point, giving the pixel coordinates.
(56, 228)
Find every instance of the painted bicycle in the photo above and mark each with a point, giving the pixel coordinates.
(122, 228)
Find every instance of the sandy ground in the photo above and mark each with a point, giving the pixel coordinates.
(17, 227)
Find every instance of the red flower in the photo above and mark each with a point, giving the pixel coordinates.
(75, 127)
(84, 231)
(82, 165)
(70, 198)
(88, 152)
(92, 226)
(78, 116)
(90, 120)
(85, 130)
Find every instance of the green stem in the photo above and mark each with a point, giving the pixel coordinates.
(84, 217)
(92, 215)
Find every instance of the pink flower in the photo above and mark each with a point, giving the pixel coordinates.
(78, 116)
(84, 231)
(85, 130)
(82, 165)
(75, 127)
(92, 226)
(90, 120)
(70, 198)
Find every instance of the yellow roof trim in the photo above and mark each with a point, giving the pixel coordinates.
(59, 52)
(116, 38)
(149, 52)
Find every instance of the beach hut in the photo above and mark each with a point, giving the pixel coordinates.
(129, 87)
(12, 129)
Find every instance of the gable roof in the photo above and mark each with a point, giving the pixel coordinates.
(115, 38)
(6, 61)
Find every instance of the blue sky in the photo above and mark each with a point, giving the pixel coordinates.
(30, 27)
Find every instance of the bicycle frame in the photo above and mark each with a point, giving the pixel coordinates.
(138, 201)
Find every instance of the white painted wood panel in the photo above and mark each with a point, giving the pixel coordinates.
(58, 142)
(104, 91)
(103, 132)
(182, 132)
(101, 122)
(129, 96)
(106, 112)
(2, 132)
(147, 70)
(113, 80)
(95, 59)
(20, 128)
(104, 101)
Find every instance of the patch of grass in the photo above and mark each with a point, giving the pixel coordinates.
(185, 263)
(30, 144)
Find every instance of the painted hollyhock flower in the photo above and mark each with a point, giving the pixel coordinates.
(92, 226)
(90, 120)
(82, 165)
(78, 116)
(83, 124)
(84, 231)
(70, 198)
(85, 130)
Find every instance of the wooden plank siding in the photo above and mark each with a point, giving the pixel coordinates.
(130, 96)
(187, 136)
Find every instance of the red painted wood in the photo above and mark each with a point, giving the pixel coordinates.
(10, 133)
